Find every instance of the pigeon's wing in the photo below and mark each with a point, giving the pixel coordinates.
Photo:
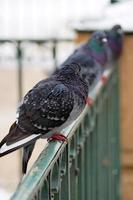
(46, 109)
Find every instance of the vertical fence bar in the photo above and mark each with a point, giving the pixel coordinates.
(87, 160)
(100, 146)
(105, 142)
(73, 166)
(20, 90)
(54, 51)
(20, 72)
(81, 186)
(65, 182)
(109, 113)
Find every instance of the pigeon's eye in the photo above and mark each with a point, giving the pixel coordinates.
(104, 40)
(101, 39)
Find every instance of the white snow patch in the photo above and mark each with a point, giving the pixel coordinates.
(4, 195)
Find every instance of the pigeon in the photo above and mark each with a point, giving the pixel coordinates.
(50, 106)
(115, 42)
(92, 56)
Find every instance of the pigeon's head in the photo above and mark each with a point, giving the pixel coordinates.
(98, 47)
(70, 70)
(89, 74)
(115, 34)
(98, 40)
(117, 31)
(115, 40)
(71, 73)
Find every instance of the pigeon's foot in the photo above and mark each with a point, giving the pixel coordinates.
(104, 79)
(89, 101)
(57, 137)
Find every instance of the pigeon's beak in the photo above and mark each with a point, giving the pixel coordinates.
(104, 40)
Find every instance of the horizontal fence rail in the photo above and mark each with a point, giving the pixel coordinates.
(87, 166)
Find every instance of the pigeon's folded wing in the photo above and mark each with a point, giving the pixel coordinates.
(45, 111)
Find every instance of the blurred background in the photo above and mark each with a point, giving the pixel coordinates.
(35, 37)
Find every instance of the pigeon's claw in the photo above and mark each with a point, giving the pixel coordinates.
(104, 79)
(57, 137)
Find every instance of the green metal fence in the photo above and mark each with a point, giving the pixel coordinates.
(87, 167)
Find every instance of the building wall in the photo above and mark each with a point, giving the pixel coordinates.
(126, 109)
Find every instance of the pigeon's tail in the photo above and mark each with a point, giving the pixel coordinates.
(15, 139)
(27, 152)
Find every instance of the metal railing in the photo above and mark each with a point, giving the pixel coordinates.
(87, 167)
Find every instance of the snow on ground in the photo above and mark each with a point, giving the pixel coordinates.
(4, 195)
